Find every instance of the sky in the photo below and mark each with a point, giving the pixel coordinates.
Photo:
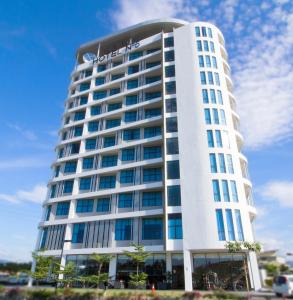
(38, 41)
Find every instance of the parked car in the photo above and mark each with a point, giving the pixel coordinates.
(283, 285)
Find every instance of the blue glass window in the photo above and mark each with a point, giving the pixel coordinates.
(152, 131)
(205, 96)
(174, 195)
(239, 225)
(133, 69)
(171, 124)
(170, 87)
(114, 91)
(62, 208)
(109, 161)
(199, 46)
(210, 138)
(201, 61)
(93, 126)
(216, 116)
(207, 116)
(127, 154)
(152, 174)
(213, 96)
(130, 116)
(114, 106)
(220, 225)
(125, 200)
(210, 32)
(212, 46)
(217, 78)
(83, 100)
(203, 79)
(230, 163)
(70, 167)
(216, 190)
(219, 138)
(169, 42)
(152, 64)
(78, 131)
(135, 55)
(112, 123)
(204, 31)
(234, 190)
(48, 212)
(74, 148)
(173, 171)
(131, 134)
(53, 191)
(103, 204)
(170, 71)
(107, 182)
(126, 176)
(87, 163)
(84, 205)
(44, 238)
(131, 99)
(152, 79)
(123, 230)
(225, 188)
(85, 183)
(171, 105)
(109, 141)
(210, 78)
(208, 61)
(57, 171)
(101, 68)
(132, 84)
(100, 95)
(205, 45)
(78, 233)
(90, 144)
(152, 152)
(152, 95)
(213, 163)
(84, 86)
(95, 110)
(169, 55)
(152, 199)
(152, 229)
(175, 226)
(220, 99)
(222, 163)
(215, 65)
(116, 63)
(197, 31)
(79, 115)
(152, 112)
(116, 76)
(223, 117)
(68, 186)
(230, 225)
(100, 80)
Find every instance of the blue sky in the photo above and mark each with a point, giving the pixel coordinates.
(37, 53)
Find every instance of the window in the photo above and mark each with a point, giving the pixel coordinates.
(83, 100)
(152, 199)
(130, 116)
(222, 163)
(126, 176)
(210, 78)
(207, 116)
(230, 163)
(203, 79)
(213, 163)
(109, 161)
(152, 229)
(169, 42)
(78, 131)
(205, 96)
(125, 200)
(205, 45)
(169, 56)
(95, 110)
(101, 68)
(212, 46)
(234, 190)
(48, 212)
(68, 186)
(131, 99)
(199, 45)
(114, 91)
(70, 167)
(93, 126)
(78, 233)
(90, 144)
(152, 174)
(150, 132)
(219, 139)
(100, 95)
(79, 115)
(215, 65)
(204, 31)
(62, 208)
(57, 171)
(152, 112)
(44, 238)
(103, 204)
(114, 106)
(116, 76)
(123, 230)
(230, 225)
(100, 80)
(223, 117)
(152, 79)
(107, 182)
(171, 124)
(210, 138)
(53, 191)
(216, 190)
(225, 188)
(74, 148)
(170, 87)
(135, 55)
(239, 225)
(197, 31)
(88, 73)
(84, 205)
(84, 86)
(213, 96)
(87, 163)
(127, 154)
(133, 69)
(85, 183)
(109, 141)
(153, 50)
(131, 134)
(152, 64)
(173, 169)
(112, 123)
(220, 225)
(217, 78)
(175, 226)
(174, 195)
(201, 61)
(132, 84)
(220, 99)
(170, 71)
(171, 105)
(172, 146)
(208, 61)
(152, 152)
(210, 32)
(116, 63)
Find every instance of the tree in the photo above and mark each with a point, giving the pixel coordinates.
(234, 247)
(138, 257)
(43, 267)
(68, 272)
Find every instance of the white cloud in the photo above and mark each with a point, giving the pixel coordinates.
(27, 134)
(36, 195)
(279, 191)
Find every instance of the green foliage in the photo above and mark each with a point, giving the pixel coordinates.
(272, 268)
(269, 282)
(12, 267)
(38, 294)
(43, 267)
(68, 273)
(284, 268)
(138, 280)
(234, 247)
(2, 289)
(139, 255)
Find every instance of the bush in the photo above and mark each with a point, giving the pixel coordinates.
(2, 289)
(14, 294)
(269, 282)
(38, 294)
(191, 295)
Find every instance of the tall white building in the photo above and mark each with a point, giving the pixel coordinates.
(150, 153)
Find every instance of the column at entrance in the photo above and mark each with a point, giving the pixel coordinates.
(187, 270)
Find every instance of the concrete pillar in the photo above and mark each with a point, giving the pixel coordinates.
(187, 270)
(113, 268)
(168, 262)
(253, 270)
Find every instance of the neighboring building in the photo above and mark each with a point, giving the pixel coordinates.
(150, 153)
(270, 256)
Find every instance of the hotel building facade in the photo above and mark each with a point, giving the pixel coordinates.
(150, 153)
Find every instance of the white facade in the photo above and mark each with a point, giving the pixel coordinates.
(165, 89)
